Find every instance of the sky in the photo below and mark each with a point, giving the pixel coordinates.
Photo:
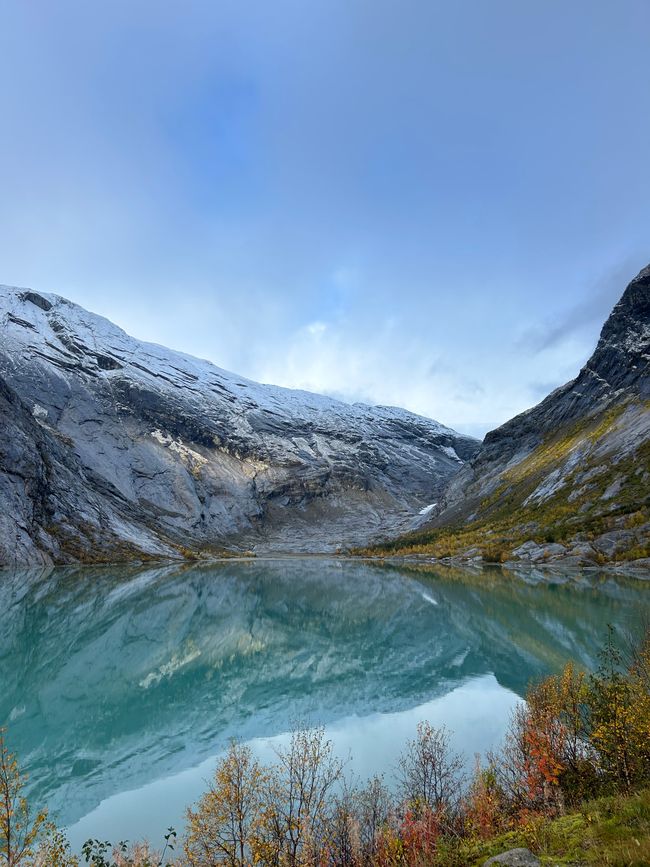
(426, 204)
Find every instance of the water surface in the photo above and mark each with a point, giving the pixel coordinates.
(120, 686)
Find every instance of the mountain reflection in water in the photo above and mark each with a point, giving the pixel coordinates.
(113, 679)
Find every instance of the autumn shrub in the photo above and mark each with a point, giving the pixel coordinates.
(619, 704)
(298, 793)
(103, 853)
(375, 813)
(390, 848)
(20, 829)
(358, 823)
(483, 806)
(559, 723)
(137, 855)
(429, 772)
(579, 736)
(420, 831)
(341, 844)
(223, 827)
(273, 815)
(547, 760)
(53, 849)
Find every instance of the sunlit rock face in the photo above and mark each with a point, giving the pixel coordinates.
(126, 449)
(112, 678)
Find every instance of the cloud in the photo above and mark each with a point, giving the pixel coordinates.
(377, 366)
(585, 317)
(330, 196)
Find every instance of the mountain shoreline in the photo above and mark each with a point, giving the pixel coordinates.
(121, 450)
(117, 450)
(567, 481)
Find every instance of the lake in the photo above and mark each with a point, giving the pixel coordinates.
(120, 686)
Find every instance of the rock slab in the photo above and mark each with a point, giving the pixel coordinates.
(116, 449)
(516, 858)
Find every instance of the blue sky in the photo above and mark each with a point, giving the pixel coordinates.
(426, 204)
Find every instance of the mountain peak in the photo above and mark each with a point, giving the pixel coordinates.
(620, 359)
(634, 305)
(568, 479)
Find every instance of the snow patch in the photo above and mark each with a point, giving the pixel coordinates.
(166, 371)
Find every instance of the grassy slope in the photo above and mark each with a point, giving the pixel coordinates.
(611, 831)
(576, 511)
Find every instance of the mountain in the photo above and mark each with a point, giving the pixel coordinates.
(568, 480)
(116, 449)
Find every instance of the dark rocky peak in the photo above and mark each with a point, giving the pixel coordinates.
(621, 356)
(632, 313)
(617, 370)
(573, 468)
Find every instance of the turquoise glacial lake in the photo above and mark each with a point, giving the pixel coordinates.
(121, 686)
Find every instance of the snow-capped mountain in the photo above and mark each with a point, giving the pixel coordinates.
(114, 448)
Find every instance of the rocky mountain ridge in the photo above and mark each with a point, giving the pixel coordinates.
(117, 449)
(568, 480)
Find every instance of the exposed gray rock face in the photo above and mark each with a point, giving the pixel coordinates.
(516, 858)
(50, 502)
(586, 444)
(117, 448)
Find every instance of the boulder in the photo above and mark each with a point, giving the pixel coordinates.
(616, 540)
(516, 858)
(535, 553)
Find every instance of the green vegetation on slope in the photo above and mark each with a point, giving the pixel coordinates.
(608, 832)
(576, 511)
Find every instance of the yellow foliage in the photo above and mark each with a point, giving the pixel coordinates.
(19, 831)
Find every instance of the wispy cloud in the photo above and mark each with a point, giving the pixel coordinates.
(333, 196)
(585, 316)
